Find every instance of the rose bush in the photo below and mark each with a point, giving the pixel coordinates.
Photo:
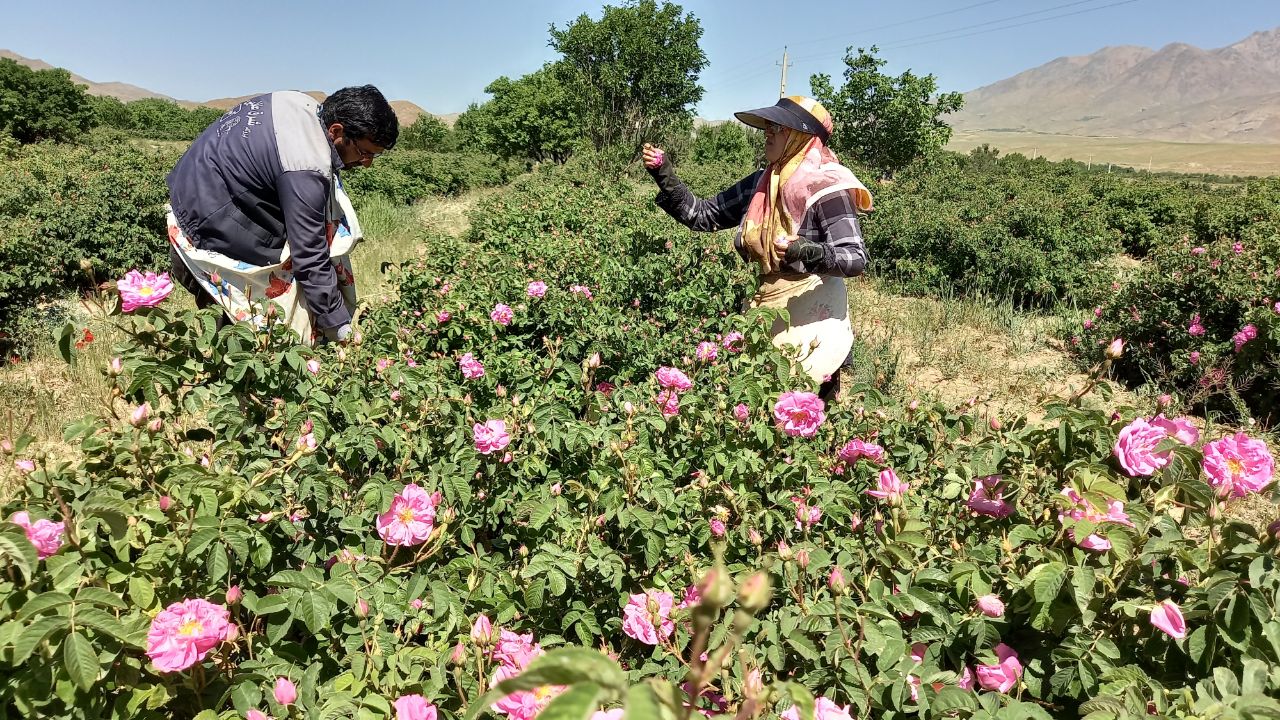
(351, 523)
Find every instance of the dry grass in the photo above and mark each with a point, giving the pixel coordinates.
(1215, 158)
(954, 350)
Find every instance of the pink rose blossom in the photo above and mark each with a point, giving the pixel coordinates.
(183, 633)
(1237, 248)
(411, 517)
(965, 682)
(515, 650)
(1135, 449)
(25, 466)
(1194, 357)
(285, 692)
(443, 316)
(856, 449)
(741, 413)
(806, 515)
(691, 597)
(1082, 509)
(707, 352)
(416, 603)
(536, 289)
(836, 581)
(1238, 465)
(799, 413)
(491, 437)
(414, 707)
(140, 414)
(1180, 429)
(471, 368)
(991, 606)
(46, 535)
(890, 488)
(673, 379)
(1115, 349)
(383, 364)
(502, 314)
(1004, 675)
(138, 290)
(1247, 333)
(717, 528)
(582, 290)
(647, 616)
(733, 341)
(669, 403)
(823, 709)
(987, 498)
(1195, 329)
(1198, 251)
(313, 366)
(256, 714)
(1167, 617)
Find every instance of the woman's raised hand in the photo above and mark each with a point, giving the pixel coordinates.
(653, 157)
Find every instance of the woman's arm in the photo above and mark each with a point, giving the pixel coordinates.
(725, 210)
(830, 240)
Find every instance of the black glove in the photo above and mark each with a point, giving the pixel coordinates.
(665, 176)
(806, 252)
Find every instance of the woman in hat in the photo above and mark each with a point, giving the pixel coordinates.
(797, 219)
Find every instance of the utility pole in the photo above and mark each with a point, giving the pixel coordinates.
(782, 88)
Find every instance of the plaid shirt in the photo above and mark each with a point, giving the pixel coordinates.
(832, 222)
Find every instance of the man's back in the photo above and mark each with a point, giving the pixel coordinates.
(225, 191)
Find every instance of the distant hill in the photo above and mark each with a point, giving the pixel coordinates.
(406, 112)
(1178, 93)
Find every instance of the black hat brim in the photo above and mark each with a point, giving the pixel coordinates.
(788, 114)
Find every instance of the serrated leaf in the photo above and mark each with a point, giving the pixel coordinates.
(644, 704)
(80, 660)
(35, 633)
(101, 596)
(42, 602)
(579, 702)
(1049, 581)
(15, 546)
(314, 610)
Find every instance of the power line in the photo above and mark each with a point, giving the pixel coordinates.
(1008, 27)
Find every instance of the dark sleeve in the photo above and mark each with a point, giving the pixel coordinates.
(304, 198)
(725, 210)
(833, 223)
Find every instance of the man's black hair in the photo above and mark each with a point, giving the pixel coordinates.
(364, 114)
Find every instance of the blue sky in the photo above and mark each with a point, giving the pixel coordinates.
(440, 55)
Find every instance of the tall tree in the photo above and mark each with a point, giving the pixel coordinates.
(42, 104)
(635, 69)
(536, 117)
(427, 132)
(885, 122)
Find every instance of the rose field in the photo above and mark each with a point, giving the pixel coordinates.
(559, 474)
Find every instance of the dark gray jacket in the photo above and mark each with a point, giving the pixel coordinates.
(262, 176)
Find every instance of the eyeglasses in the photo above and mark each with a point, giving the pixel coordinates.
(773, 129)
(364, 154)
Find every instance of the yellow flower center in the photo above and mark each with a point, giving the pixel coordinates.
(191, 627)
(1235, 467)
(542, 693)
(146, 291)
(405, 515)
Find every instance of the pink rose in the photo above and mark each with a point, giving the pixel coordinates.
(988, 499)
(414, 707)
(1083, 509)
(138, 290)
(1195, 329)
(707, 352)
(411, 517)
(1198, 251)
(183, 633)
(443, 316)
(1004, 675)
(46, 535)
(965, 681)
(836, 581)
(799, 413)
(890, 488)
(647, 616)
(717, 528)
(285, 692)
(673, 379)
(482, 631)
(501, 314)
(140, 414)
(256, 714)
(1136, 448)
(536, 289)
(1247, 333)
(1238, 465)
(806, 515)
(491, 436)
(471, 368)
(856, 449)
(823, 709)
(741, 413)
(1167, 617)
(1115, 349)
(25, 466)
(313, 366)
(582, 290)
(733, 341)
(668, 403)
(1194, 357)
(990, 605)
(1180, 429)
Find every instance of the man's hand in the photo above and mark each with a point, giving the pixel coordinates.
(804, 251)
(653, 157)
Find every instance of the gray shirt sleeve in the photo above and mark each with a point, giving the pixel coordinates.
(304, 199)
(833, 223)
(725, 210)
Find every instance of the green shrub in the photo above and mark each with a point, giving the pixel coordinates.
(404, 176)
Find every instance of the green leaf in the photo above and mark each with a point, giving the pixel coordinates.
(1049, 581)
(142, 591)
(102, 622)
(65, 336)
(42, 602)
(954, 698)
(35, 633)
(644, 704)
(80, 660)
(577, 703)
(563, 666)
(802, 699)
(314, 611)
(15, 546)
(101, 596)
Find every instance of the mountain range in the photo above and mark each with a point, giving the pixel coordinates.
(1178, 93)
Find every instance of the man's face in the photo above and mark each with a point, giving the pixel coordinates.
(353, 151)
